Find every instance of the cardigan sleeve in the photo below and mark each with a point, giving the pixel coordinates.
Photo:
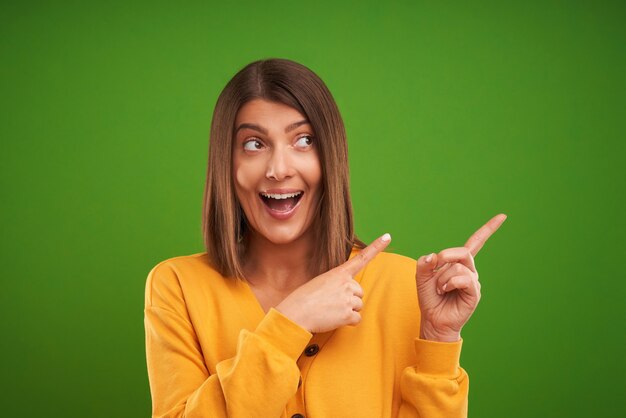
(436, 386)
(257, 382)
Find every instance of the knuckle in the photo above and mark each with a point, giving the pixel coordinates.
(342, 270)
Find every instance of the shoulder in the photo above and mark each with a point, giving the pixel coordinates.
(389, 285)
(390, 263)
(198, 261)
(389, 268)
(171, 278)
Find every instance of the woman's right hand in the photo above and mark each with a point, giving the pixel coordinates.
(332, 299)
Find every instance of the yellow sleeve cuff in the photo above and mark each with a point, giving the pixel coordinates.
(283, 333)
(438, 358)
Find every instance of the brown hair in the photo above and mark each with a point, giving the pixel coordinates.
(223, 224)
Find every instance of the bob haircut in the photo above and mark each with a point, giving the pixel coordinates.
(224, 224)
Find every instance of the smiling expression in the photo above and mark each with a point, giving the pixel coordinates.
(277, 170)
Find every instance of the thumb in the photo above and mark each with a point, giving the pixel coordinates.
(426, 265)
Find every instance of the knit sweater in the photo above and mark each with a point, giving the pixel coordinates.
(213, 352)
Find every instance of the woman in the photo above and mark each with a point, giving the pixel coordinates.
(287, 313)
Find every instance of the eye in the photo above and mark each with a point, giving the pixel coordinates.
(305, 141)
(252, 145)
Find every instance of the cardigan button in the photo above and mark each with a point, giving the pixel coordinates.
(311, 350)
(297, 416)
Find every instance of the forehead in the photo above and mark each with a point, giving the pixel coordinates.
(267, 114)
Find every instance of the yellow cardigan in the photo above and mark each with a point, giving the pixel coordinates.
(212, 351)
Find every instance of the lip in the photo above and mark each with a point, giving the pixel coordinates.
(281, 191)
(281, 216)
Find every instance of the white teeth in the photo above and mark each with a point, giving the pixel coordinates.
(280, 196)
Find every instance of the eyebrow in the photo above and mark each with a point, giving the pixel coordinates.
(259, 128)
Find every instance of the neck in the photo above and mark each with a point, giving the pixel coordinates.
(282, 267)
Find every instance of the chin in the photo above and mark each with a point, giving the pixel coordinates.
(284, 237)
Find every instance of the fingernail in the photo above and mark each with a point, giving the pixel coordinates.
(429, 258)
(385, 238)
(439, 292)
(444, 287)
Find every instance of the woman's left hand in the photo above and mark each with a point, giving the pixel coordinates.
(448, 288)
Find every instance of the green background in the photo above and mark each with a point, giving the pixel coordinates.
(454, 112)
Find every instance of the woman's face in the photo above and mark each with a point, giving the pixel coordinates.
(277, 170)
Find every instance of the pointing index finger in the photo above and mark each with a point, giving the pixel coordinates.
(478, 238)
(367, 254)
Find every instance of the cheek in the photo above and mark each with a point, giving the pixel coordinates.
(241, 180)
(313, 171)
(246, 178)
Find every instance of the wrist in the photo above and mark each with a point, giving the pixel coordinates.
(292, 313)
(430, 333)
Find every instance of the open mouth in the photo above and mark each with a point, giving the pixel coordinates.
(283, 202)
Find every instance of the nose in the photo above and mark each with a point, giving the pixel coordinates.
(279, 165)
